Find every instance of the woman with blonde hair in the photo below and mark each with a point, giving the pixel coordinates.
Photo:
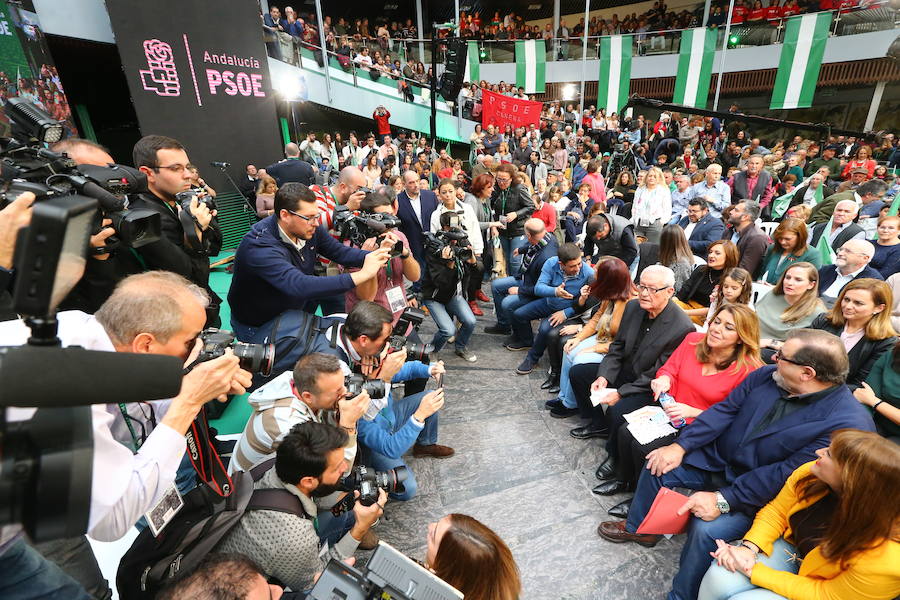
(652, 206)
(789, 247)
(472, 558)
(265, 196)
(792, 304)
(833, 531)
(372, 172)
(503, 155)
(861, 317)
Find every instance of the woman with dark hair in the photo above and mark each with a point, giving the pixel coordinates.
(675, 253)
(694, 295)
(789, 247)
(701, 372)
(479, 198)
(831, 532)
(469, 556)
(861, 318)
(611, 289)
(623, 191)
(887, 247)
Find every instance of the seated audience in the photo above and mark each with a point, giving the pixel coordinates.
(610, 235)
(842, 227)
(612, 288)
(650, 330)
(789, 247)
(472, 558)
(808, 194)
(886, 259)
(702, 371)
(751, 241)
(716, 192)
(851, 262)
(700, 226)
(792, 304)
(675, 253)
(265, 197)
(735, 288)
(693, 296)
(577, 213)
(738, 460)
(827, 534)
(861, 318)
(881, 393)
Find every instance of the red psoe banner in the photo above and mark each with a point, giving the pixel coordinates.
(500, 110)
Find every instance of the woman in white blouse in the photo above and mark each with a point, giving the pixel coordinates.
(652, 207)
(468, 220)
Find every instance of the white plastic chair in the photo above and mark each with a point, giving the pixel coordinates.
(758, 291)
(769, 227)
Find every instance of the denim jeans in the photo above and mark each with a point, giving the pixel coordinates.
(513, 263)
(443, 317)
(403, 410)
(566, 396)
(26, 575)
(527, 312)
(331, 528)
(504, 302)
(719, 584)
(701, 535)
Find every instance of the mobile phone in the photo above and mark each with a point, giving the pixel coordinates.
(440, 380)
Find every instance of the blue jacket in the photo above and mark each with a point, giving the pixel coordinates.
(532, 274)
(292, 170)
(382, 434)
(756, 464)
(828, 274)
(552, 275)
(708, 230)
(272, 276)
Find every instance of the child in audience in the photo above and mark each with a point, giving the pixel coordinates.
(735, 288)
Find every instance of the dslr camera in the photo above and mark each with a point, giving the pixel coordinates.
(184, 199)
(456, 238)
(398, 341)
(367, 482)
(255, 358)
(356, 384)
(359, 226)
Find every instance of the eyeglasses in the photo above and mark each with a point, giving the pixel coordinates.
(315, 217)
(778, 356)
(179, 169)
(651, 290)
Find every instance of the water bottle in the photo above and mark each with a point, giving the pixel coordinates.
(666, 400)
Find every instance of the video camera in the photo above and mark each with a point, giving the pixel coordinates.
(388, 575)
(255, 358)
(28, 167)
(456, 238)
(359, 226)
(367, 482)
(398, 341)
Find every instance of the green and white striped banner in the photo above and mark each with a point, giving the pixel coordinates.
(695, 64)
(531, 66)
(801, 59)
(473, 70)
(614, 81)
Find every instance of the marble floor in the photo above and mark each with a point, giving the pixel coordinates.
(519, 471)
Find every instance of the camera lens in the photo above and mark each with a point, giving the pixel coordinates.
(256, 358)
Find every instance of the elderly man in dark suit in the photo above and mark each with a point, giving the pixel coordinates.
(850, 262)
(651, 328)
(751, 241)
(701, 227)
(738, 453)
(414, 207)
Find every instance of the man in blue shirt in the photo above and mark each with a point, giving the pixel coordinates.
(715, 191)
(560, 282)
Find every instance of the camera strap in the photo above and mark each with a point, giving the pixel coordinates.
(205, 458)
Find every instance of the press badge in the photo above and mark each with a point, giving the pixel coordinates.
(396, 298)
(165, 510)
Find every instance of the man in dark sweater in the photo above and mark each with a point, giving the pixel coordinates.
(274, 264)
(292, 168)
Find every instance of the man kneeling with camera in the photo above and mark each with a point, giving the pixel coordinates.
(309, 463)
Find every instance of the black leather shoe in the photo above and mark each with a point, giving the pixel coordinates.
(610, 487)
(607, 469)
(497, 330)
(554, 389)
(587, 432)
(552, 379)
(562, 412)
(620, 510)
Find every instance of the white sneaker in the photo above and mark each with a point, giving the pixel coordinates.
(466, 355)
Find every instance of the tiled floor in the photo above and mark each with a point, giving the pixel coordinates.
(520, 472)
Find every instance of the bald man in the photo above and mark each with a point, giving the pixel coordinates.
(851, 262)
(292, 168)
(347, 191)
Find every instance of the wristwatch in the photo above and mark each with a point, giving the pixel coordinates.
(722, 503)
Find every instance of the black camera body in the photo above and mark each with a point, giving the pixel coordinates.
(255, 358)
(184, 199)
(356, 384)
(367, 481)
(398, 341)
(360, 226)
(456, 238)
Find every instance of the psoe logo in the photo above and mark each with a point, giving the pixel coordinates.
(161, 76)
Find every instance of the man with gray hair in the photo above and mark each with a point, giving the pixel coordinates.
(738, 453)
(680, 197)
(751, 241)
(292, 168)
(842, 226)
(851, 262)
(713, 190)
(651, 328)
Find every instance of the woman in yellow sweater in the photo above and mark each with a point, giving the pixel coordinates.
(832, 533)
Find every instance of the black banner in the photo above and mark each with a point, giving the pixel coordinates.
(198, 72)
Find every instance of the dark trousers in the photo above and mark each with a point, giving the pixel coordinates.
(476, 275)
(615, 417)
(633, 454)
(414, 386)
(546, 331)
(555, 343)
(76, 558)
(581, 377)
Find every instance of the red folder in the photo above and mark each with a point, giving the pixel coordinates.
(661, 519)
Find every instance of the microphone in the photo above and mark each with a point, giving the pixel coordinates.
(46, 376)
(221, 165)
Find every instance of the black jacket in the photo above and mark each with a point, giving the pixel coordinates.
(292, 170)
(666, 333)
(514, 199)
(862, 356)
(442, 278)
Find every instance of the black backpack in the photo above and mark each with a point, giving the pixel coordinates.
(198, 527)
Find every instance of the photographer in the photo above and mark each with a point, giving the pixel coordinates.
(308, 463)
(187, 240)
(274, 267)
(138, 447)
(447, 257)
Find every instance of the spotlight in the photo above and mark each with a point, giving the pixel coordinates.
(287, 86)
(569, 91)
